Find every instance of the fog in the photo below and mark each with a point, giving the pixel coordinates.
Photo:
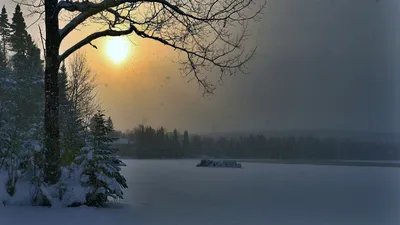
(320, 64)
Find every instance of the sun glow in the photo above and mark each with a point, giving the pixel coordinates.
(117, 49)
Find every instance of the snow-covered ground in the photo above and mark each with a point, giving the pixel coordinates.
(174, 192)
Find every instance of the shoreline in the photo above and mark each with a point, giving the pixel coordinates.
(322, 162)
(295, 161)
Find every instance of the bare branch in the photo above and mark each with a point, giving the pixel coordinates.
(82, 87)
(42, 40)
(210, 33)
(87, 10)
(37, 20)
(212, 60)
(92, 37)
(29, 3)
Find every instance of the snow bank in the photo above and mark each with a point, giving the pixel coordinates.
(70, 184)
(23, 194)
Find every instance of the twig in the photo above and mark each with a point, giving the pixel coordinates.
(37, 20)
(94, 46)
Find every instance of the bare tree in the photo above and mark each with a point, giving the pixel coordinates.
(82, 88)
(210, 34)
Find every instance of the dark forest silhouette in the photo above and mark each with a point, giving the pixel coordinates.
(158, 143)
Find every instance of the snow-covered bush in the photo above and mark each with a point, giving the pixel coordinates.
(20, 174)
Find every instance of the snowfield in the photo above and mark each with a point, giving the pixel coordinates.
(173, 192)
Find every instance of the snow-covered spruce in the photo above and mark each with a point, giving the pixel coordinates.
(91, 179)
(98, 168)
(223, 163)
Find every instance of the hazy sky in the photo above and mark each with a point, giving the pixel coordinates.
(320, 64)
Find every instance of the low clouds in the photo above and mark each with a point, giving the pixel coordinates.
(322, 64)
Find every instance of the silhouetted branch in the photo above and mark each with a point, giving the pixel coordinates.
(92, 37)
(210, 33)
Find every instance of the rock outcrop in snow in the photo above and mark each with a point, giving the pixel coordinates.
(223, 163)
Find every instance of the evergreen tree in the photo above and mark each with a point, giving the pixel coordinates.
(175, 144)
(175, 136)
(65, 108)
(62, 84)
(19, 34)
(5, 33)
(7, 86)
(35, 77)
(22, 87)
(161, 140)
(71, 129)
(186, 143)
(72, 137)
(29, 75)
(18, 42)
(101, 169)
(110, 125)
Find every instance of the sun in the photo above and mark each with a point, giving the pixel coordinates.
(117, 49)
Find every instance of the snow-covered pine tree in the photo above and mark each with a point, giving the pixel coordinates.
(5, 33)
(7, 84)
(21, 100)
(100, 167)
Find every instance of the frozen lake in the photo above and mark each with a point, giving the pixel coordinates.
(171, 192)
(175, 191)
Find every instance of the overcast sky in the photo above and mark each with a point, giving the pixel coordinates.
(320, 64)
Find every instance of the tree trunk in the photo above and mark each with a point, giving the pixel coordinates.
(51, 123)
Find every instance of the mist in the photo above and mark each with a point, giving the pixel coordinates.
(315, 69)
(320, 64)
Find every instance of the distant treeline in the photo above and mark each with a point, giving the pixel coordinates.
(157, 143)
